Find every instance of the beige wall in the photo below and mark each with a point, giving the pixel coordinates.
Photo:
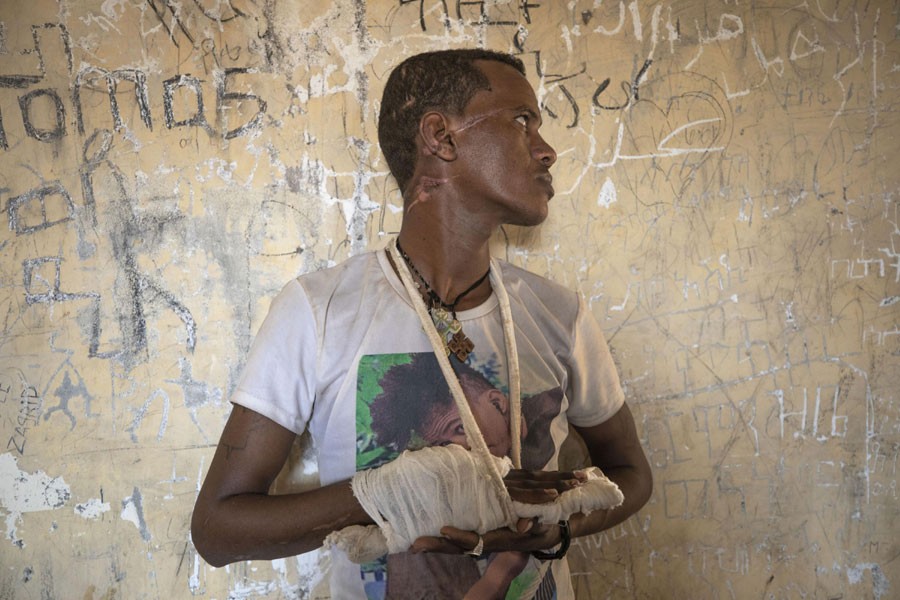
(728, 189)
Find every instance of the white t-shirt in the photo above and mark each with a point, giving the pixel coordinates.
(343, 355)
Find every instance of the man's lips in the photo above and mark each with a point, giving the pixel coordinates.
(547, 179)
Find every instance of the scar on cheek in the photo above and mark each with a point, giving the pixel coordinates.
(476, 120)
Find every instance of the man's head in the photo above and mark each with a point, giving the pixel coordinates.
(444, 81)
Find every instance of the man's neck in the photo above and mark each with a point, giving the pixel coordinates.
(449, 255)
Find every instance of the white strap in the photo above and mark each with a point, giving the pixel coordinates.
(473, 433)
(512, 364)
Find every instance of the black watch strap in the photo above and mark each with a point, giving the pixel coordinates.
(563, 546)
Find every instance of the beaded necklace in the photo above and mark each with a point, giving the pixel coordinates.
(443, 314)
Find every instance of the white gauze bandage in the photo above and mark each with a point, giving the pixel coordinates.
(423, 490)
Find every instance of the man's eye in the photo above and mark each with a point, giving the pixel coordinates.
(522, 120)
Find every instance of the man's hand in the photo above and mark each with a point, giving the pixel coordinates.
(540, 487)
(531, 487)
(528, 536)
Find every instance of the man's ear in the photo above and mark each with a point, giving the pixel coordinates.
(437, 139)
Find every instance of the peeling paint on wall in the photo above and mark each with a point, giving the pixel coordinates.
(92, 509)
(27, 492)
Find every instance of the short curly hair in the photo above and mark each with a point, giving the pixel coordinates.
(444, 80)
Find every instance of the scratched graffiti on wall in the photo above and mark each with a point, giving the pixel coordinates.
(726, 201)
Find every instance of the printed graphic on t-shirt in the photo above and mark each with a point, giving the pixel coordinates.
(404, 403)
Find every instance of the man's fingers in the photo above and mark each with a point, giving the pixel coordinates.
(453, 541)
(435, 544)
(524, 525)
(560, 481)
(524, 475)
(561, 485)
(533, 496)
(528, 535)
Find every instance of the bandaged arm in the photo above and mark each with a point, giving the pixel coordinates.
(236, 518)
(420, 492)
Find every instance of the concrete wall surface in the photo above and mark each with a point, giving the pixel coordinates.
(728, 200)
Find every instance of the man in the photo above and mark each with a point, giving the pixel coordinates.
(459, 130)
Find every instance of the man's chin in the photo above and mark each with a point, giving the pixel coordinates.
(534, 218)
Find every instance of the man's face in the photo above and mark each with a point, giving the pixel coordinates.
(502, 161)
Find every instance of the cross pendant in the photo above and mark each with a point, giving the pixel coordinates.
(460, 345)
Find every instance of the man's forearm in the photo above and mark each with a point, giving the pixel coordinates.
(614, 447)
(264, 527)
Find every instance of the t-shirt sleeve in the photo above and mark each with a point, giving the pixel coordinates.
(278, 380)
(594, 391)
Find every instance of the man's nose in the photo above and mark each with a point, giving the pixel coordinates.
(544, 152)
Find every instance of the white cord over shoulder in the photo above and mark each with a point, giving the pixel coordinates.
(512, 362)
(473, 433)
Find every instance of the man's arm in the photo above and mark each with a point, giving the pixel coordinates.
(236, 519)
(614, 447)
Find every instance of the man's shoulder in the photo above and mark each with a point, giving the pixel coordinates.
(337, 273)
(345, 280)
(550, 305)
(540, 285)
